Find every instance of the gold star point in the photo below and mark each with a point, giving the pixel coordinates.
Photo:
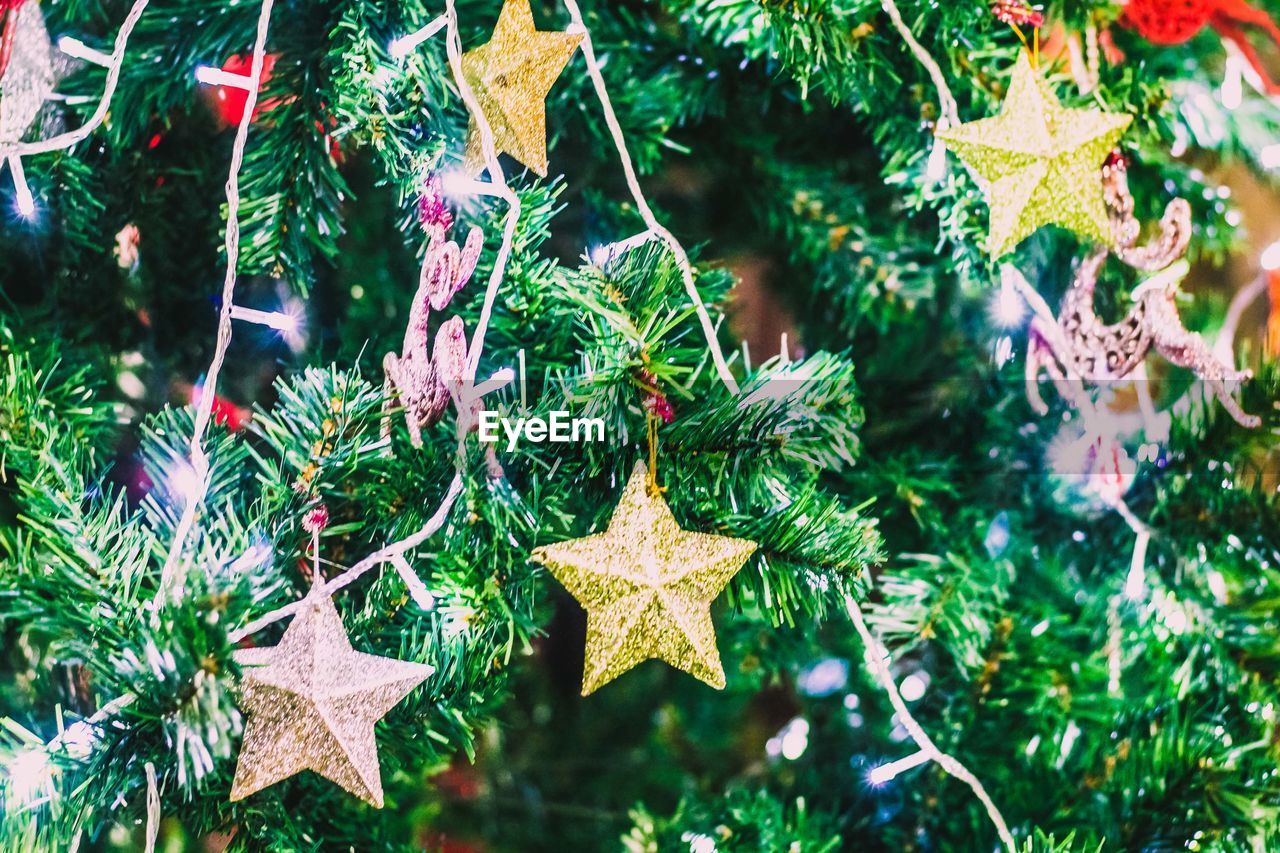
(511, 76)
(1040, 161)
(647, 587)
(312, 702)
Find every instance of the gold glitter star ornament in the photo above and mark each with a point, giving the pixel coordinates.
(1041, 162)
(647, 587)
(511, 76)
(312, 702)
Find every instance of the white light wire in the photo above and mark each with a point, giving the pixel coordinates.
(204, 408)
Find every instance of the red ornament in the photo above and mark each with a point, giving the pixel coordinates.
(659, 406)
(316, 519)
(655, 402)
(1176, 21)
(229, 101)
(228, 414)
(1168, 21)
(225, 413)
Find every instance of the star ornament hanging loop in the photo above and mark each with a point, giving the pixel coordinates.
(1039, 162)
(647, 587)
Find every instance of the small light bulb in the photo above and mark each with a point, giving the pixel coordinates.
(1007, 305)
(936, 168)
(458, 185)
(1271, 257)
(882, 774)
(405, 45)
(29, 774)
(25, 201)
(77, 49)
(1233, 83)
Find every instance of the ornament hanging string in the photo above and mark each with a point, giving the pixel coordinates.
(204, 408)
(651, 428)
(876, 655)
(384, 555)
(642, 206)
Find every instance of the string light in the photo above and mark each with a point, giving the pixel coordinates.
(417, 589)
(169, 584)
(1270, 260)
(26, 202)
(602, 255)
(403, 46)
(913, 687)
(877, 658)
(73, 47)
(1007, 308)
(1232, 93)
(886, 773)
(791, 741)
(30, 775)
(936, 168)
(183, 482)
(497, 381)
(709, 329)
(93, 122)
(278, 320)
(211, 76)
(459, 186)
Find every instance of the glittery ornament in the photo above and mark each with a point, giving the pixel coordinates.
(425, 378)
(316, 519)
(1083, 347)
(312, 703)
(1039, 161)
(655, 402)
(647, 587)
(1017, 13)
(1176, 21)
(433, 214)
(29, 76)
(511, 76)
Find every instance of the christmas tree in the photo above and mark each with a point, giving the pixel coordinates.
(695, 425)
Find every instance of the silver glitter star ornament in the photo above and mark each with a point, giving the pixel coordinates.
(312, 703)
(28, 78)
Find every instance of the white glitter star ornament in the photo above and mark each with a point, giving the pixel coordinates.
(312, 703)
(27, 79)
(647, 587)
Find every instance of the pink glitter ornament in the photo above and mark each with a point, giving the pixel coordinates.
(425, 377)
(1083, 348)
